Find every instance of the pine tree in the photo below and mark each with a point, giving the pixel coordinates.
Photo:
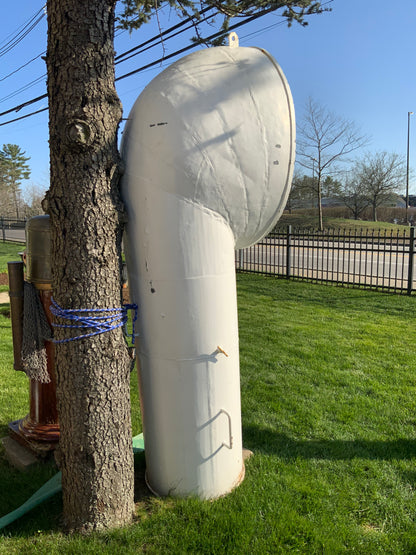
(13, 169)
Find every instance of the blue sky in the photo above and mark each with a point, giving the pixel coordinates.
(357, 60)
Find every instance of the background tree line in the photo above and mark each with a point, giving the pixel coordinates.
(324, 146)
(14, 169)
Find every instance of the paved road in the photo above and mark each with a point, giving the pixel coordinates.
(17, 235)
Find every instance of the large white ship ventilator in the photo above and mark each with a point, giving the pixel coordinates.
(209, 148)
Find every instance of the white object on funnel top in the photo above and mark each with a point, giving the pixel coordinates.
(209, 153)
(233, 41)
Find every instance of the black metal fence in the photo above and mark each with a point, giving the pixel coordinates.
(373, 259)
(12, 230)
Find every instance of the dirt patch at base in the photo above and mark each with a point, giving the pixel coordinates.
(4, 279)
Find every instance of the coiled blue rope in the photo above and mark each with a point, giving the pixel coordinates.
(100, 320)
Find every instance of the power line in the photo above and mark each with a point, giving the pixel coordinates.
(24, 88)
(262, 30)
(20, 35)
(118, 59)
(25, 116)
(139, 49)
(190, 46)
(21, 27)
(147, 66)
(22, 66)
(150, 64)
(160, 42)
(28, 103)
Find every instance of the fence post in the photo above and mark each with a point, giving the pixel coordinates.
(288, 251)
(411, 259)
(3, 229)
(241, 259)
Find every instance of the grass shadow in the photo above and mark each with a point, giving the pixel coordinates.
(45, 518)
(5, 310)
(141, 492)
(16, 487)
(273, 443)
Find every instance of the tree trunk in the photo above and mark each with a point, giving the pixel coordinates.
(86, 220)
(320, 219)
(16, 200)
(374, 211)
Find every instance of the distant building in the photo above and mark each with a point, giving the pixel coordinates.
(412, 200)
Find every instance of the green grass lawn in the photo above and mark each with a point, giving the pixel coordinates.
(328, 409)
(9, 252)
(309, 219)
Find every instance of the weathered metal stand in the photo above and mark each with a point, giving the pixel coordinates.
(39, 430)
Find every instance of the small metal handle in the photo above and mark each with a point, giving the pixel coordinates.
(227, 414)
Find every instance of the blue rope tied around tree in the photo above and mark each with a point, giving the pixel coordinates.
(99, 319)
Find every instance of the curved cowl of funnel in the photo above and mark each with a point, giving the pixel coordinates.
(209, 152)
(217, 127)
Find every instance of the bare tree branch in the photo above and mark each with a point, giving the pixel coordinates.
(380, 175)
(323, 139)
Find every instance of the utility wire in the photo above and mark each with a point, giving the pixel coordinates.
(24, 88)
(149, 65)
(118, 59)
(26, 116)
(152, 45)
(39, 55)
(22, 66)
(139, 49)
(20, 35)
(262, 30)
(28, 103)
(19, 29)
(190, 46)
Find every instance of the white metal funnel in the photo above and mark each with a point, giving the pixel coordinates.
(209, 153)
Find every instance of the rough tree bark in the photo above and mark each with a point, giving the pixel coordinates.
(86, 220)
